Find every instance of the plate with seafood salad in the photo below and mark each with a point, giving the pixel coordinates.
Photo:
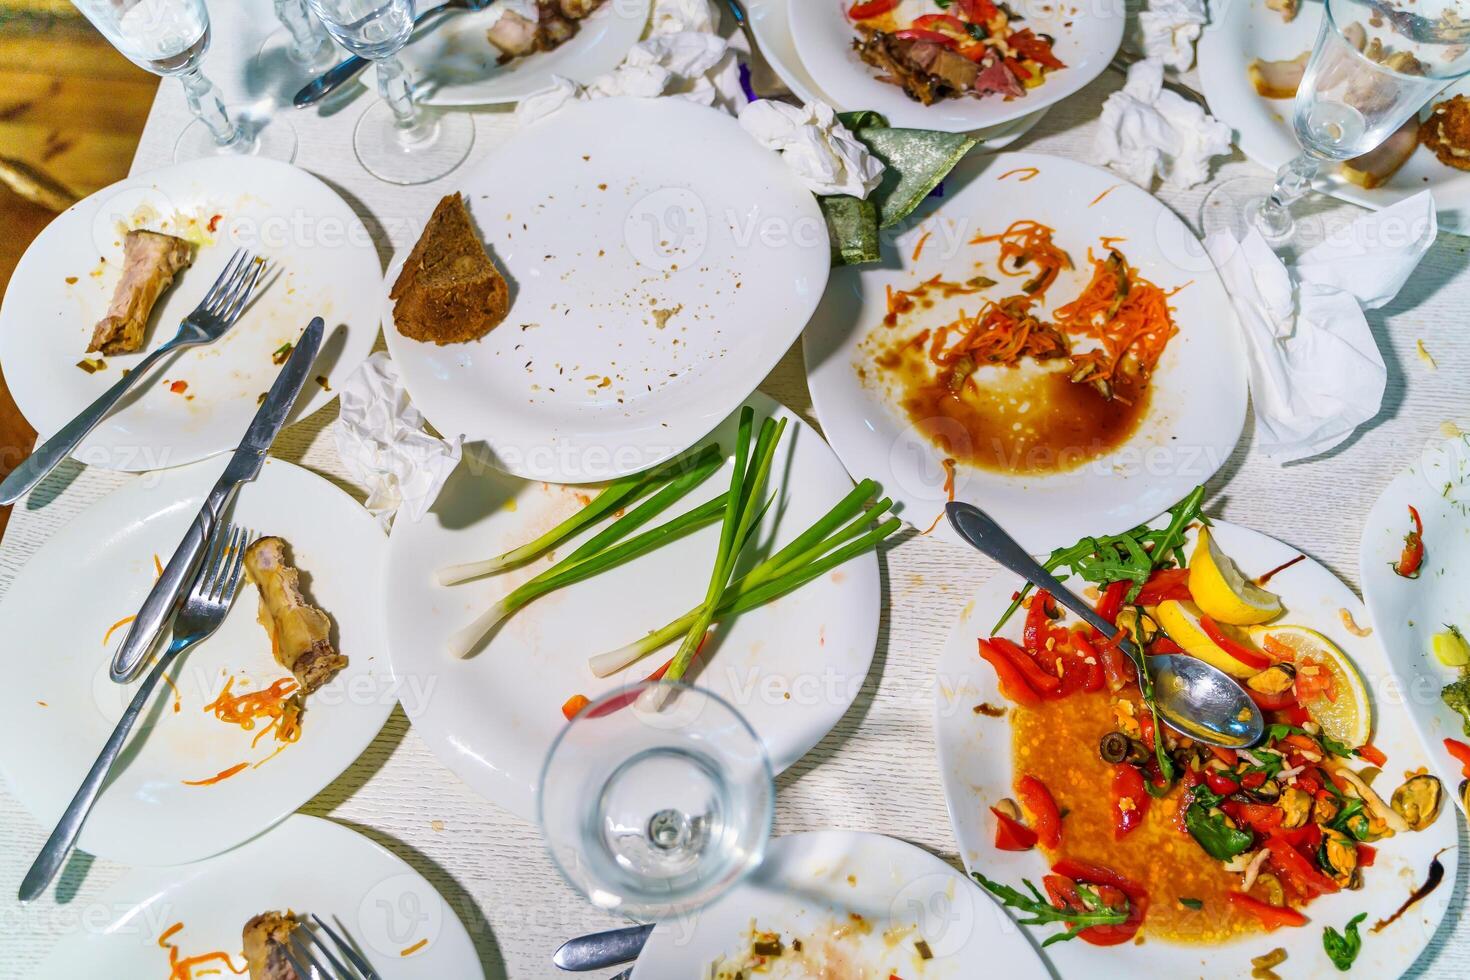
(1048, 343)
(1127, 846)
(954, 66)
(841, 904)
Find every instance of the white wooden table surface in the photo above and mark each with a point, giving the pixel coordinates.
(876, 771)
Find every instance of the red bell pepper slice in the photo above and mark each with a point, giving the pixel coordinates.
(1412, 557)
(1366, 855)
(1372, 754)
(1260, 817)
(1289, 861)
(1308, 836)
(978, 11)
(1092, 874)
(1271, 702)
(871, 8)
(1162, 645)
(1046, 817)
(1166, 583)
(1111, 600)
(1247, 656)
(1220, 782)
(1272, 916)
(1130, 799)
(1277, 649)
(1012, 682)
(1461, 752)
(1011, 834)
(934, 21)
(1062, 892)
(1038, 618)
(1028, 45)
(1036, 678)
(919, 34)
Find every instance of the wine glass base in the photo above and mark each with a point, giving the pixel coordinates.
(384, 152)
(262, 136)
(277, 55)
(1235, 206)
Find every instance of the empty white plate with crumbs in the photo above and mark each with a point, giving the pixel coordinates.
(660, 263)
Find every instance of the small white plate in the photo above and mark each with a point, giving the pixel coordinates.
(1408, 612)
(456, 65)
(306, 865)
(975, 765)
(1243, 30)
(654, 283)
(64, 282)
(771, 22)
(1086, 40)
(808, 888)
(791, 668)
(58, 705)
(1199, 387)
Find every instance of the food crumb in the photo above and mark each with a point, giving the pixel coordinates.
(71, 280)
(321, 379)
(1351, 625)
(437, 825)
(1425, 356)
(91, 364)
(410, 950)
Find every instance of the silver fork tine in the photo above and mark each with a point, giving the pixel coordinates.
(230, 575)
(304, 948)
(242, 294)
(221, 299)
(315, 942)
(363, 966)
(211, 564)
(230, 269)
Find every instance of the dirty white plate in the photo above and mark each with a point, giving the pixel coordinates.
(809, 887)
(456, 65)
(1087, 37)
(307, 865)
(791, 668)
(1199, 387)
(771, 22)
(1243, 30)
(58, 705)
(1408, 612)
(64, 282)
(654, 283)
(976, 768)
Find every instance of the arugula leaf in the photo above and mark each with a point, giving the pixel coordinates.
(1332, 745)
(1041, 912)
(1192, 903)
(1342, 947)
(1212, 831)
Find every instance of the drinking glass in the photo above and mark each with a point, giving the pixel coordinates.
(396, 140)
(305, 43)
(169, 38)
(1375, 64)
(656, 812)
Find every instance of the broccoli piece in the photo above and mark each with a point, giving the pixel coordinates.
(1456, 695)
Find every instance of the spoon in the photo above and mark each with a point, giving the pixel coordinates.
(1194, 697)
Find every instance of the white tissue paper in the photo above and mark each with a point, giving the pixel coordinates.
(382, 440)
(1315, 370)
(823, 153)
(497, 11)
(1146, 131)
(1166, 31)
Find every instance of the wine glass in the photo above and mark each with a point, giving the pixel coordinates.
(1375, 64)
(169, 38)
(396, 140)
(653, 813)
(301, 37)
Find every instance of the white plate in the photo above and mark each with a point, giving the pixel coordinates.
(58, 705)
(808, 887)
(1087, 37)
(456, 65)
(1242, 30)
(1199, 387)
(792, 667)
(975, 765)
(327, 261)
(307, 865)
(600, 221)
(1408, 612)
(771, 22)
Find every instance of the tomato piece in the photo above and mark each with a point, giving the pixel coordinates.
(1046, 817)
(1038, 680)
(1062, 892)
(1163, 645)
(1093, 874)
(935, 21)
(1313, 679)
(1260, 817)
(864, 9)
(1307, 835)
(1228, 756)
(1130, 799)
(1461, 752)
(1290, 862)
(1166, 583)
(1038, 618)
(574, 705)
(978, 11)
(1221, 783)
(1366, 855)
(1247, 656)
(1026, 43)
(1012, 682)
(1373, 754)
(1011, 834)
(1111, 601)
(1272, 916)
(1271, 702)
(1412, 557)
(919, 34)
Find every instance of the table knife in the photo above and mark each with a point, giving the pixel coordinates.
(602, 949)
(159, 608)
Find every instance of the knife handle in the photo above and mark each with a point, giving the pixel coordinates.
(168, 592)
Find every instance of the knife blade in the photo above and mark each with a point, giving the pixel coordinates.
(163, 601)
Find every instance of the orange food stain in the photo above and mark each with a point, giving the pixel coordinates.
(179, 387)
(218, 777)
(115, 627)
(409, 951)
(178, 701)
(919, 246)
(1029, 173)
(1105, 194)
(157, 567)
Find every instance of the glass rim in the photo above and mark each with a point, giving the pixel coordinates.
(1377, 66)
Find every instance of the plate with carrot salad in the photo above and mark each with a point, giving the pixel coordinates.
(1131, 848)
(1051, 343)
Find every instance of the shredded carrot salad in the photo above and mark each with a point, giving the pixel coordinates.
(901, 301)
(1129, 315)
(185, 967)
(1026, 247)
(277, 702)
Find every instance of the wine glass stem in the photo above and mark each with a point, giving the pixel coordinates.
(209, 107)
(307, 40)
(396, 89)
(1293, 181)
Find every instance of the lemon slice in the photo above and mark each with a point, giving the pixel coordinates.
(1349, 718)
(1181, 621)
(1222, 593)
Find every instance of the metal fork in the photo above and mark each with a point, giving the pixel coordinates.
(203, 612)
(215, 314)
(305, 941)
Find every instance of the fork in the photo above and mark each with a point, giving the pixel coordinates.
(304, 941)
(215, 314)
(203, 612)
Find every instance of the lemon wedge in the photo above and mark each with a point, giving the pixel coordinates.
(1181, 621)
(1348, 718)
(1222, 592)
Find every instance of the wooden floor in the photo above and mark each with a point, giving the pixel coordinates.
(73, 108)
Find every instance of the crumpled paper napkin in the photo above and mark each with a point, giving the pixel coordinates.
(823, 153)
(1166, 31)
(382, 439)
(1315, 370)
(1145, 131)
